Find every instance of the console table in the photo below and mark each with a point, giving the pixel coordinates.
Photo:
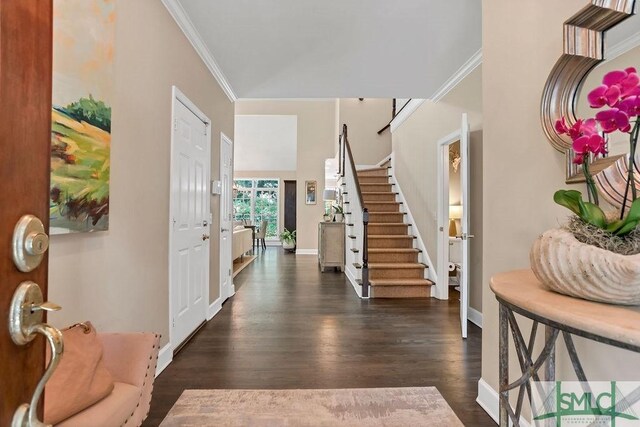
(520, 292)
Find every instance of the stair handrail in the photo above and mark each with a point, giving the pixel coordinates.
(347, 154)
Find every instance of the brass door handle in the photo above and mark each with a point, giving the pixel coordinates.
(205, 237)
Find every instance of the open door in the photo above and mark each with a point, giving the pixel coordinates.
(441, 290)
(464, 224)
(25, 161)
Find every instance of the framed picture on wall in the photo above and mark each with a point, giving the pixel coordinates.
(310, 192)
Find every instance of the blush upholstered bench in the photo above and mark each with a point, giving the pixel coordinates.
(131, 359)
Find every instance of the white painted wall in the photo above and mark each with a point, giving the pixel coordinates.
(266, 143)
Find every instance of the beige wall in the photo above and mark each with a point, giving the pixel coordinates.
(280, 175)
(364, 119)
(316, 142)
(521, 170)
(119, 279)
(415, 151)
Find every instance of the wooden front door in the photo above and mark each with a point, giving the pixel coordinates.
(25, 129)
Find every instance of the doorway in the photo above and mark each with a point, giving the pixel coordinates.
(290, 198)
(190, 219)
(227, 289)
(453, 218)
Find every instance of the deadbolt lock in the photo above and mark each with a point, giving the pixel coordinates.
(30, 242)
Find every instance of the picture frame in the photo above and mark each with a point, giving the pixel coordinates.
(311, 193)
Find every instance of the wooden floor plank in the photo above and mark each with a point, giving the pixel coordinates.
(290, 326)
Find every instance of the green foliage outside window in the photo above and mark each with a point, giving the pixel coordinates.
(259, 197)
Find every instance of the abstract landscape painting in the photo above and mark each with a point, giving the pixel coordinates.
(84, 33)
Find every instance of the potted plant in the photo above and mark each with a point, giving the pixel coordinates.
(288, 239)
(339, 215)
(597, 255)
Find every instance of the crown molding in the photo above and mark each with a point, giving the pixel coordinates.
(466, 69)
(622, 47)
(182, 19)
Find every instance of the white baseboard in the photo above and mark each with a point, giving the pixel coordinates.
(352, 279)
(165, 356)
(488, 400)
(475, 316)
(214, 308)
(306, 252)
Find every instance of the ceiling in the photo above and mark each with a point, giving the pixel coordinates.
(337, 48)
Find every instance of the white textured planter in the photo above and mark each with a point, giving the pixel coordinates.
(288, 245)
(570, 267)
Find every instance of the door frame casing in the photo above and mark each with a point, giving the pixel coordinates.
(179, 96)
(442, 285)
(232, 286)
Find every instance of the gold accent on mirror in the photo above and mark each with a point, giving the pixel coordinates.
(583, 50)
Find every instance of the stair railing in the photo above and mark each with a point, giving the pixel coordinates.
(358, 213)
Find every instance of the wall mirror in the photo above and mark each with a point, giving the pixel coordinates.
(604, 35)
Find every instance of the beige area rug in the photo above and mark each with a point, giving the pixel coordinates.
(389, 407)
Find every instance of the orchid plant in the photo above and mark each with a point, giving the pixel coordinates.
(619, 95)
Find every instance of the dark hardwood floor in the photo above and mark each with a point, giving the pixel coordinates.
(290, 326)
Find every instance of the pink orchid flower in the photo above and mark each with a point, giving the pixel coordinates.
(590, 144)
(581, 127)
(631, 106)
(627, 80)
(613, 120)
(604, 95)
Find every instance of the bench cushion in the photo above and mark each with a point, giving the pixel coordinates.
(111, 411)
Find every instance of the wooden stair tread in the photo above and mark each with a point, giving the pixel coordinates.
(396, 265)
(390, 236)
(373, 169)
(388, 224)
(393, 250)
(381, 202)
(387, 213)
(401, 282)
(378, 193)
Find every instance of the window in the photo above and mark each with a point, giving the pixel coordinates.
(256, 200)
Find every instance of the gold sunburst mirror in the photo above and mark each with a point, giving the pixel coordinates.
(602, 32)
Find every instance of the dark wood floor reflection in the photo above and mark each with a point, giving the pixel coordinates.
(290, 326)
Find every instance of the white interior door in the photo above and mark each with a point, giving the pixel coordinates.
(464, 222)
(190, 229)
(226, 220)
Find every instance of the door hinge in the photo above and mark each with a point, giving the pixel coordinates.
(173, 322)
(175, 124)
(229, 272)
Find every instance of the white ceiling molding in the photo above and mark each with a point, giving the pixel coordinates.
(622, 46)
(466, 69)
(404, 114)
(189, 30)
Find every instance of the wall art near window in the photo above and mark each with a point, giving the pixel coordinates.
(310, 192)
(83, 44)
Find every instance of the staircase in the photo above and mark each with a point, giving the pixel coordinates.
(394, 267)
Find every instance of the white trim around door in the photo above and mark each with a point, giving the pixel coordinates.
(227, 288)
(202, 211)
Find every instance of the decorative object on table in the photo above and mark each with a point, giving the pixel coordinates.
(288, 239)
(597, 255)
(327, 217)
(329, 196)
(583, 48)
(339, 215)
(455, 213)
(84, 32)
(310, 192)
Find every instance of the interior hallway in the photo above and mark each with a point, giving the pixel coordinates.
(290, 326)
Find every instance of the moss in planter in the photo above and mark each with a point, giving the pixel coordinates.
(592, 235)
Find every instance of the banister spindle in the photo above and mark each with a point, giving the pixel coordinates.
(365, 253)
